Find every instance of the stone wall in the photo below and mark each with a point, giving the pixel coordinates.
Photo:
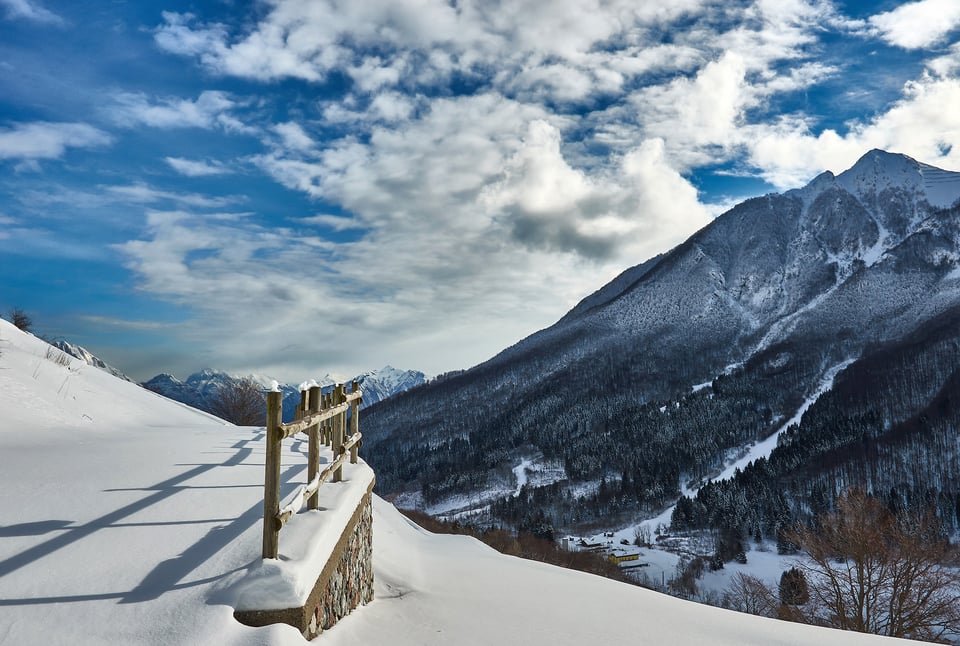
(344, 584)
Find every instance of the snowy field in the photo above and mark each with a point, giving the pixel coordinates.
(126, 518)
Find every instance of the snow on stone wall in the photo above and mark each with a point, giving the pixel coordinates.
(344, 584)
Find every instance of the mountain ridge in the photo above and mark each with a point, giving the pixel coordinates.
(200, 389)
(806, 279)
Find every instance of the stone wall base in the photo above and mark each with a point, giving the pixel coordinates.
(345, 582)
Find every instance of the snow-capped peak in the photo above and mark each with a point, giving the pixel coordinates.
(878, 171)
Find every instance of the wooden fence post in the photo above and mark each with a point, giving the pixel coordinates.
(271, 480)
(354, 422)
(327, 398)
(313, 448)
(302, 407)
(339, 397)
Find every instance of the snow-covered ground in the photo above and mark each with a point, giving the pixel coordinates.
(126, 518)
(439, 589)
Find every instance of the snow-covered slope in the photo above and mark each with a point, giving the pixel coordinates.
(440, 589)
(120, 511)
(126, 518)
(89, 358)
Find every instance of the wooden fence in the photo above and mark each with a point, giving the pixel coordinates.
(322, 418)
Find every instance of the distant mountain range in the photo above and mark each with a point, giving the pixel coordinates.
(200, 389)
(655, 382)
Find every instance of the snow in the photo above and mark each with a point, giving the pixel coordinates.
(764, 448)
(520, 472)
(764, 564)
(698, 387)
(126, 517)
(304, 546)
(437, 589)
(942, 187)
(131, 519)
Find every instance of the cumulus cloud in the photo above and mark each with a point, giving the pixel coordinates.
(917, 24)
(463, 213)
(308, 41)
(197, 168)
(335, 222)
(30, 10)
(489, 158)
(211, 109)
(46, 140)
(294, 137)
(790, 152)
(622, 213)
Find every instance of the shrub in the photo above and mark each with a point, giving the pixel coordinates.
(21, 319)
(793, 588)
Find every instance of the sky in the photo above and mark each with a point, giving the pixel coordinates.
(295, 188)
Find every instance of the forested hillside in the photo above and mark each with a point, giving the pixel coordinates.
(890, 423)
(654, 383)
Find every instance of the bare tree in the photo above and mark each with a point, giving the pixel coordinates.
(747, 593)
(240, 401)
(21, 319)
(872, 571)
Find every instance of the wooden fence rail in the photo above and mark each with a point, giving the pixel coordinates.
(324, 419)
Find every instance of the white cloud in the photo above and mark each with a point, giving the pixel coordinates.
(373, 74)
(918, 24)
(335, 222)
(195, 168)
(384, 107)
(30, 10)
(483, 212)
(46, 140)
(473, 225)
(638, 208)
(947, 65)
(696, 115)
(140, 193)
(308, 40)
(177, 35)
(294, 137)
(211, 109)
(920, 125)
(126, 324)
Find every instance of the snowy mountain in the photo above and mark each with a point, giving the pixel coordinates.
(377, 385)
(662, 377)
(126, 518)
(200, 389)
(89, 358)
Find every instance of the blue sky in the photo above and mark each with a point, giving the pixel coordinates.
(293, 188)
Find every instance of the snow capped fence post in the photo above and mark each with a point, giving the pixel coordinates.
(355, 422)
(339, 424)
(313, 450)
(271, 480)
